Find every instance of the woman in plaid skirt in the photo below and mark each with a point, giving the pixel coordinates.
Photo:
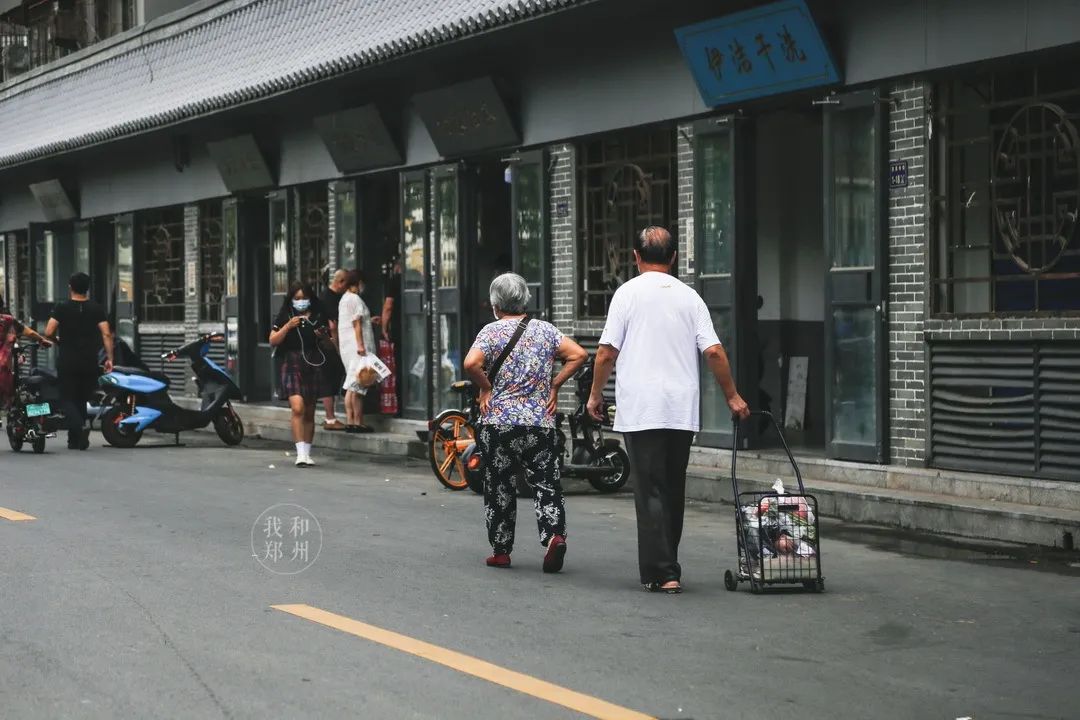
(297, 335)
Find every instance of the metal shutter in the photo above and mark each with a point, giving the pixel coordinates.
(1010, 408)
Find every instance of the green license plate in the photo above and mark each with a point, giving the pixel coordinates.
(38, 410)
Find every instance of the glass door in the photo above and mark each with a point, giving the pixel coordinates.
(532, 244)
(447, 263)
(415, 296)
(855, 279)
(124, 238)
(277, 265)
(726, 266)
(345, 226)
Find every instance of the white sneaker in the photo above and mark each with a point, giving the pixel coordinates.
(308, 461)
(301, 461)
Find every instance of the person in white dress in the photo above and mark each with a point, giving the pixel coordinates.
(356, 339)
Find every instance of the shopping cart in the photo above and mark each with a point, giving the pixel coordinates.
(777, 531)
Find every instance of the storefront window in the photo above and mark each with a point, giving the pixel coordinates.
(228, 232)
(162, 236)
(1010, 193)
(211, 261)
(625, 183)
(314, 232)
(345, 225)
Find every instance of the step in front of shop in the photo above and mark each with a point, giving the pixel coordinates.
(964, 485)
(392, 437)
(1047, 526)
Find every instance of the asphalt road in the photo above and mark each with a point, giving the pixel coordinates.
(137, 591)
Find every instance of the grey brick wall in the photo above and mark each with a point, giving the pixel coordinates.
(563, 271)
(191, 294)
(907, 289)
(562, 193)
(685, 231)
(999, 329)
(11, 270)
(331, 223)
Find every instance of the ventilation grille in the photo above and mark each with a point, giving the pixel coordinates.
(150, 349)
(1009, 408)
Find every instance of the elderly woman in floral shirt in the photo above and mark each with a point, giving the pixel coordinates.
(517, 418)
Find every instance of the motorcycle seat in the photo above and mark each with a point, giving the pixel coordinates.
(127, 370)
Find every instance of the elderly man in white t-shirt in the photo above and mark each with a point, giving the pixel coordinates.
(657, 329)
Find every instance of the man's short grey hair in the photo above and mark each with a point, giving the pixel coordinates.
(509, 293)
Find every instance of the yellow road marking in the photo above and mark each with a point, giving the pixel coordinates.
(15, 515)
(584, 704)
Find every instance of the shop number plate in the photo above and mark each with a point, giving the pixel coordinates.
(38, 410)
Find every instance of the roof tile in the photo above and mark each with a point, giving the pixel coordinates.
(250, 51)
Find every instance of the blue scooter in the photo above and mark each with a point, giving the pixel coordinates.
(137, 400)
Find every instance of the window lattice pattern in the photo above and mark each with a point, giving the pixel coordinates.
(313, 232)
(625, 183)
(162, 236)
(1009, 193)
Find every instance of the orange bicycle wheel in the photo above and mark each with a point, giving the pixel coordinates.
(450, 435)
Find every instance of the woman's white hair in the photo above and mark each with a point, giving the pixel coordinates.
(509, 293)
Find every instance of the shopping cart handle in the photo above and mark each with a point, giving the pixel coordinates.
(735, 419)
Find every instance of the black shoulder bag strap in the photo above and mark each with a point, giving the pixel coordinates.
(497, 365)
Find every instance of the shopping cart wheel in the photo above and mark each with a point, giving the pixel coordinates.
(730, 581)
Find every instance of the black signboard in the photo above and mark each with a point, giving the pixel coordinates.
(466, 118)
(241, 163)
(55, 202)
(358, 139)
(898, 174)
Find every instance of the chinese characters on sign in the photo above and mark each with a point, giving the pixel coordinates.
(286, 539)
(771, 49)
(898, 174)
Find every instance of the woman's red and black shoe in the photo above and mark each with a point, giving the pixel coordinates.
(556, 552)
(499, 560)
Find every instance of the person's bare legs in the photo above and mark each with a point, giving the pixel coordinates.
(309, 422)
(296, 421)
(328, 409)
(350, 416)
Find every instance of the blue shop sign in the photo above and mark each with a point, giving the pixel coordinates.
(775, 48)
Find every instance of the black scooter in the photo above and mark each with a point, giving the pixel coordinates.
(590, 455)
(137, 400)
(36, 411)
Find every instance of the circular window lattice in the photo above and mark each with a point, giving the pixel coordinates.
(1036, 186)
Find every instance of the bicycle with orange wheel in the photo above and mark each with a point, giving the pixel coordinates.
(450, 434)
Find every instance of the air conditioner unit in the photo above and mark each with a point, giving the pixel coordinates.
(16, 60)
(64, 29)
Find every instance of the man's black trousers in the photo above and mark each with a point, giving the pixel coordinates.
(77, 382)
(658, 459)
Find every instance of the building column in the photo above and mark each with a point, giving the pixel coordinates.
(907, 277)
(563, 215)
(684, 233)
(193, 281)
(331, 225)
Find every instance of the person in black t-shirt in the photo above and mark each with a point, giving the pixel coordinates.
(328, 301)
(296, 336)
(81, 327)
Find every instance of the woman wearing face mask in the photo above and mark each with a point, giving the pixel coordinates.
(296, 335)
(355, 339)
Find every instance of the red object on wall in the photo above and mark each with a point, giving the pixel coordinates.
(388, 400)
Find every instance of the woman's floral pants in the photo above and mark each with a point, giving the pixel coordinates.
(508, 449)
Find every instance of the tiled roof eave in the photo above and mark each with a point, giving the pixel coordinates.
(77, 132)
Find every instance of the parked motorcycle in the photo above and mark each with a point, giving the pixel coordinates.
(36, 411)
(124, 356)
(137, 400)
(590, 455)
